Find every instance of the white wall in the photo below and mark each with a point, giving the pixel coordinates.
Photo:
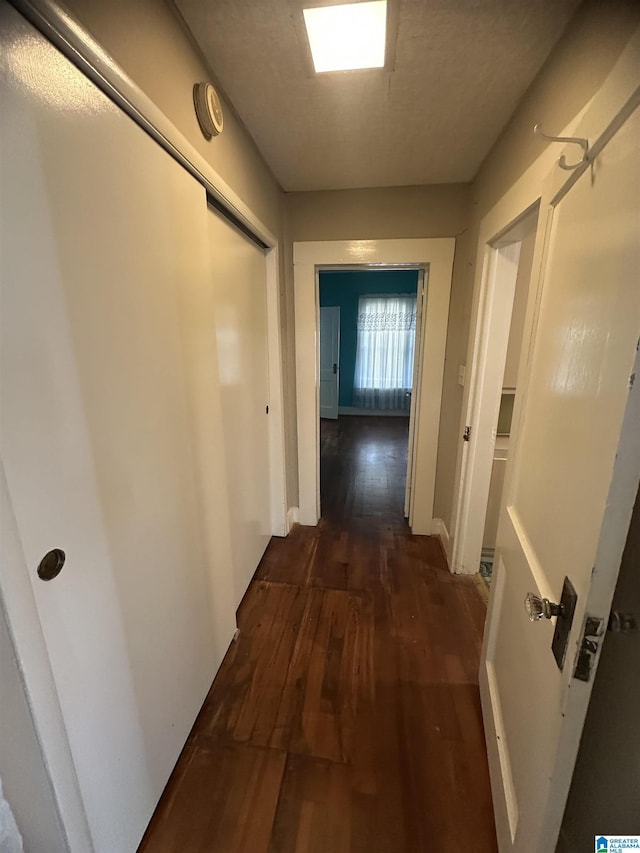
(496, 488)
(519, 310)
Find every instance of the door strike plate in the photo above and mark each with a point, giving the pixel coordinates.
(592, 631)
(564, 622)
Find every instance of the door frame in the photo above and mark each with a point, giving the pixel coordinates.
(435, 255)
(418, 355)
(499, 276)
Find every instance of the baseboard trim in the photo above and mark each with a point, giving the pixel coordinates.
(378, 413)
(293, 516)
(440, 530)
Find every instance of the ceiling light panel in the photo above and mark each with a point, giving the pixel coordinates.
(343, 38)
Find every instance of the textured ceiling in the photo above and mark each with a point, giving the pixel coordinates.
(459, 69)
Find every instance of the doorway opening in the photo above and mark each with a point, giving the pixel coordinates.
(370, 322)
(434, 255)
(489, 434)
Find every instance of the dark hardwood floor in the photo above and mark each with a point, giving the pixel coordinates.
(346, 717)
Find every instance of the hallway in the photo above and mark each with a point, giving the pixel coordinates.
(346, 717)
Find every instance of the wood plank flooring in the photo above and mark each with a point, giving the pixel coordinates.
(346, 717)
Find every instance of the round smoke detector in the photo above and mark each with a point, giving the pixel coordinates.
(208, 109)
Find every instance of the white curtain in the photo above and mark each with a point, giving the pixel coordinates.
(384, 353)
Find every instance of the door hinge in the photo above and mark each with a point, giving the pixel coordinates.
(266, 409)
(467, 434)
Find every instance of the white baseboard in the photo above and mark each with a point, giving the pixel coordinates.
(293, 515)
(384, 413)
(440, 530)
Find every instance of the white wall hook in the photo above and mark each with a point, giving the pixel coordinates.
(562, 162)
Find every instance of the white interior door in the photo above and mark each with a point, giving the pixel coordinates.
(571, 485)
(103, 234)
(329, 361)
(238, 274)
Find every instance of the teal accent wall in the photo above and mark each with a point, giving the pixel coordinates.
(343, 288)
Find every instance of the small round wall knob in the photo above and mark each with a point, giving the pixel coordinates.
(540, 608)
(51, 564)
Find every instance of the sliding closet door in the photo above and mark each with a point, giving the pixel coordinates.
(238, 275)
(103, 238)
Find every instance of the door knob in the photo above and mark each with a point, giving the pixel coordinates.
(538, 608)
(335, 369)
(541, 608)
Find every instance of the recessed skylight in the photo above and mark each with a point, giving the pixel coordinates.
(343, 38)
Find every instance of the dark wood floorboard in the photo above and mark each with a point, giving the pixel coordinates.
(346, 717)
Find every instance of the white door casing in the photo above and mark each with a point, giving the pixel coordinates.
(329, 361)
(418, 356)
(40, 688)
(571, 484)
(503, 271)
(436, 255)
(487, 371)
(25, 779)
